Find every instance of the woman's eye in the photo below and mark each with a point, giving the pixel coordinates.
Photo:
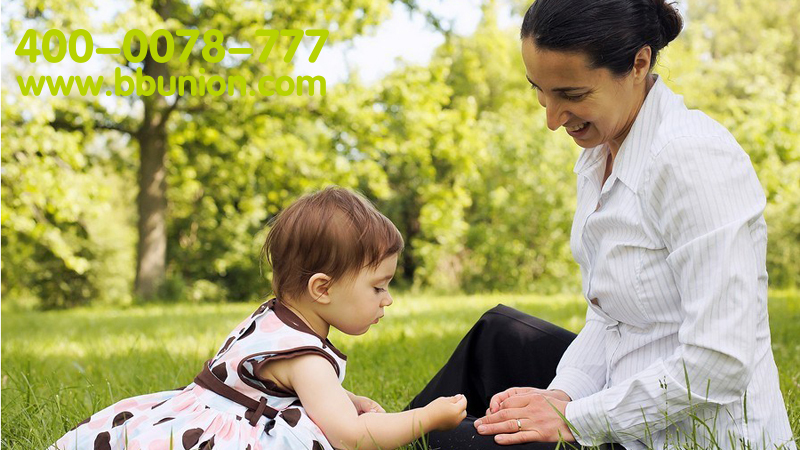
(574, 98)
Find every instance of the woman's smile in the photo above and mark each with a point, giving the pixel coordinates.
(578, 131)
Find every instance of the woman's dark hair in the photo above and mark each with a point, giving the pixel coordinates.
(610, 32)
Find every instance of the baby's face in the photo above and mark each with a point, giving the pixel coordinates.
(358, 302)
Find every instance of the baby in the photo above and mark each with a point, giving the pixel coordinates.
(276, 382)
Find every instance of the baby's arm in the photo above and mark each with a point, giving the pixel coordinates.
(329, 406)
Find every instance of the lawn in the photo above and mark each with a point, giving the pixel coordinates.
(59, 367)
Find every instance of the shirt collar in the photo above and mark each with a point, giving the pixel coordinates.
(589, 158)
(633, 154)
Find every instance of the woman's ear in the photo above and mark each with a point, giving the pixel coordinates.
(641, 63)
(318, 288)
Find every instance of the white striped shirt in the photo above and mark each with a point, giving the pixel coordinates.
(672, 248)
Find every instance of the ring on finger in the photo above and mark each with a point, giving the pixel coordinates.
(519, 425)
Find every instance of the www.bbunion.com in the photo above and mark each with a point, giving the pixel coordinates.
(144, 85)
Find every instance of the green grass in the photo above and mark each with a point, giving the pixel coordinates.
(59, 367)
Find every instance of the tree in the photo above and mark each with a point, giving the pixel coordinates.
(64, 240)
(239, 24)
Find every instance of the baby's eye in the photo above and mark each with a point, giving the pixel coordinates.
(379, 290)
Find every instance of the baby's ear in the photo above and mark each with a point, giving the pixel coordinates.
(318, 286)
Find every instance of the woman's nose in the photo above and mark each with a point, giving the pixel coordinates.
(555, 117)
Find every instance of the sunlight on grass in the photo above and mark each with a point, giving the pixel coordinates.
(102, 355)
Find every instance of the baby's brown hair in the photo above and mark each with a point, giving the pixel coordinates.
(333, 231)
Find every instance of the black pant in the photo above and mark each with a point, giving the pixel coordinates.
(505, 348)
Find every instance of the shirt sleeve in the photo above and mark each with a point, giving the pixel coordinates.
(582, 369)
(704, 199)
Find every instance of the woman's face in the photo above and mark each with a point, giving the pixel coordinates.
(592, 105)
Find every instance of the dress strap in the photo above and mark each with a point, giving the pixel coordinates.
(256, 409)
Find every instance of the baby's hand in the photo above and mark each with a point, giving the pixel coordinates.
(446, 413)
(365, 405)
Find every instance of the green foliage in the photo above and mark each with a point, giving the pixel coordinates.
(522, 204)
(64, 239)
(480, 189)
(429, 169)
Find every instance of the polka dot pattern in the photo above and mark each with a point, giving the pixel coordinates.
(195, 418)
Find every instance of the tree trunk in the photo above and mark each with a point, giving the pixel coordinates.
(152, 205)
(151, 256)
(413, 228)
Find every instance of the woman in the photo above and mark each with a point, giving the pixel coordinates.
(671, 240)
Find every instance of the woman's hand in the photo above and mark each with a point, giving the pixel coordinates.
(527, 417)
(445, 413)
(497, 399)
(366, 404)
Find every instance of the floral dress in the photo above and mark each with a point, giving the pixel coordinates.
(227, 407)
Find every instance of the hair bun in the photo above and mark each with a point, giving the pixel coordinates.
(670, 20)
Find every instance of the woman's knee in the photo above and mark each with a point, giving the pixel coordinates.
(507, 323)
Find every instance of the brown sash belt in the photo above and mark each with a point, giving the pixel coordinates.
(255, 410)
